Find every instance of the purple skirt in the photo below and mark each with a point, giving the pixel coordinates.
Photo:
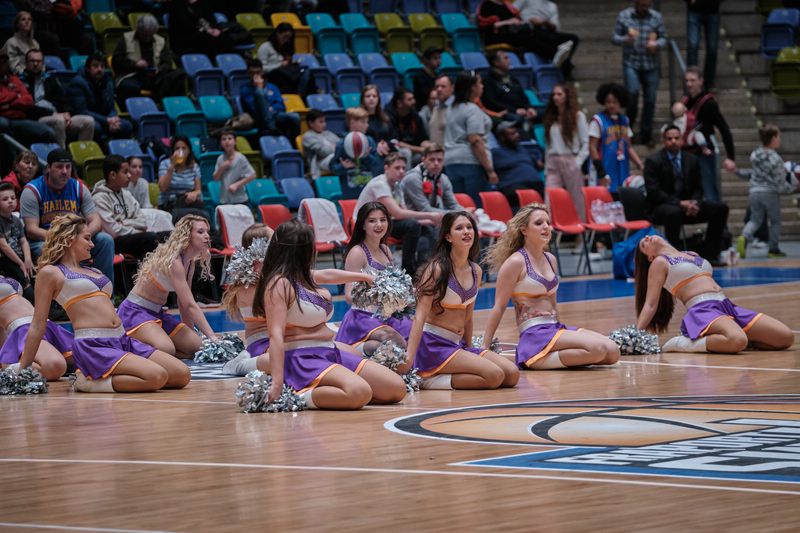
(700, 316)
(358, 325)
(134, 316)
(304, 367)
(258, 347)
(537, 341)
(435, 351)
(11, 351)
(97, 356)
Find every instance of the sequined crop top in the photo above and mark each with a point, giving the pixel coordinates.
(309, 309)
(9, 288)
(682, 270)
(78, 286)
(457, 297)
(534, 284)
(371, 261)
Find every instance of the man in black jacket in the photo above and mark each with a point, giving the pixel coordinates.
(503, 93)
(50, 102)
(675, 195)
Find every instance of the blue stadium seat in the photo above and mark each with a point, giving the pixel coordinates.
(364, 36)
(322, 77)
(206, 78)
(779, 31)
(349, 78)
(448, 6)
(464, 34)
(546, 77)
(286, 161)
(149, 120)
(296, 190)
(55, 67)
(334, 113)
(417, 6)
(475, 61)
(42, 149)
(520, 71)
(234, 69)
(187, 119)
(379, 71)
(329, 36)
(384, 6)
(130, 147)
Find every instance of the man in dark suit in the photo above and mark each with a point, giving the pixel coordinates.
(675, 195)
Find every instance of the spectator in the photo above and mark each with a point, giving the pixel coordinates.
(426, 188)
(640, 31)
(264, 102)
(143, 61)
(424, 80)
(768, 180)
(411, 137)
(500, 23)
(675, 195)
(15, 253)
(610, 138)
(427, 111)
(15, 105)
(57, 193)
(120, 213)
(91, 92)
(467, 160)
(693, 138)
(50, 101)
(277, 57)
(193, 29)
(515, 167)
(233, 170)
(705, 114)
(25, 166)
(355, 174)
(179, 181)
(405, 222)
(703, 14)
(138, 186)
(319, 144)
(444, 101)
(542, 16)
(59, 24)
(18, 44)
(504, 95)
(567, 136)
(380, 125)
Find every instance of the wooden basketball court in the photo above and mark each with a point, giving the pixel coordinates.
(677, 442)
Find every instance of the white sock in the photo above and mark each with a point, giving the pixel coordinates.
(307, 396)
(84, 384)
(440, 382)
(550, 361)
(685, 344)
(238, 366)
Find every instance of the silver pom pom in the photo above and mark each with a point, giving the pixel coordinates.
(221, 351)
(632, 341)
(388, 354)
(241, 269)
(251, 396)
(390, 294)
(412, 380)
(477, 342)
(26, 381)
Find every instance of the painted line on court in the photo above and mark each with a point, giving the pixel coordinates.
(212, 402)
(79, 528)
(711, 366)
(403, 471)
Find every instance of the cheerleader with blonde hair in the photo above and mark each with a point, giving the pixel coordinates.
(106, 358)
(170, 268)
(527, 274)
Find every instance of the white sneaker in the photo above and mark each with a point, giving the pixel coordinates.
(562, 53)
(684, 344)
(234, 366)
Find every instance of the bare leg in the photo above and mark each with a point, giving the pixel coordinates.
(770, 334)
(342, 389)
(387, 387)
(137, 374)
(151, 333)
(178, 372)
(725, 336)
(51, 362)
(470, 371)
(389, 334)
(510, 370)
(187, 342)
(586, 347)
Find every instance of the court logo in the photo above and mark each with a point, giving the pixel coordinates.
(748, 438)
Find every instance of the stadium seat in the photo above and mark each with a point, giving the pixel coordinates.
(273, 215)
(286, 162)
(378, 71)
(417, 6)
(334, 113)
(430, 34)
(234, 69)
(496, 206)
(601, 193)
(110, 29)
(263, 191)
(77, 62)
(256, 25)
(149, 120)
(475, 61)
(329, 37)
(93, 6)
(328, 187)
(779, 31)
(56, 68)
(322, 77)
(785, 73)
(296, 190)
(520, 71)
(385, 6)
(528, 196)
(349, 78)
(364, 37)
(187, 119)
(449, 65)
(464, 34)
(214, 189)
(42, 149)
(350, 100)
(397, 36)
(347, 208)
(216, 109)
(449, 6)
(303, 42)
(534, 100)
(206, 78)
(547, 76)
(406, 64)
(88, 157)
(565, 221)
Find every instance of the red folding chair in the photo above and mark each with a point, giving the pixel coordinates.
(273, 215)
(496, 206)
(529, 196)
(348, 208)
(565, 221)
(590, 194)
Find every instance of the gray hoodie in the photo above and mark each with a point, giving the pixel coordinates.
(119, 211)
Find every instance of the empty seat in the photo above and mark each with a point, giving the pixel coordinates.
(784, 73)
(349, 78)
(286, 161)
(449, 65)
(256, 25)
(430, 34)
(187, 119)
(150, 122)
(264, 191)
(110, 29)
(475, 61)
(215, 109)
(398, 37)
(234, 69)
(379, 71)
(464, 34)
(407, 64)
(364, 36)
(520, 71)
(321, 75)
(296, 190)
(547, 76)
(206, 78)
(329, 37)
(779, 31)
(88, 157)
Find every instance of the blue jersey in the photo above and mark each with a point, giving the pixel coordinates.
(53, 204)
(614, 145)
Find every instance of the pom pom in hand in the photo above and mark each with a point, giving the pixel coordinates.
(221, 351)
(388, 354)
(25, 381)
(251, 396)
(390, 293)
(241, 268)
(632, 341)
(477, 342)
(412, 380)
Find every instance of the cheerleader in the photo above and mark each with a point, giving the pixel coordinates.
(438, 344)
(526, 273)
(106, 358)
(302, 353)
(712, 322)
(367, 248)
(238, 301)
(16, 314)
(170, 268)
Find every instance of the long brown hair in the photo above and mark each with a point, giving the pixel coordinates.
(358, 231)
(379, 112)
(666, 303)
(568, 120)
(433, 283)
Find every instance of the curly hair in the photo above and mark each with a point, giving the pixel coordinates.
(513, 239)
(568, 120)
(160, 259)
(63, 231)
(619, 92)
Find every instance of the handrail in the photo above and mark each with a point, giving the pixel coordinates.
(17, 147)
(675, 60)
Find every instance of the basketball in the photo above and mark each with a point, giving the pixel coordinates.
(356, 145)
(637, 182)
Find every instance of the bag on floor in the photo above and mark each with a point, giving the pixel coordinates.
(623, 252)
